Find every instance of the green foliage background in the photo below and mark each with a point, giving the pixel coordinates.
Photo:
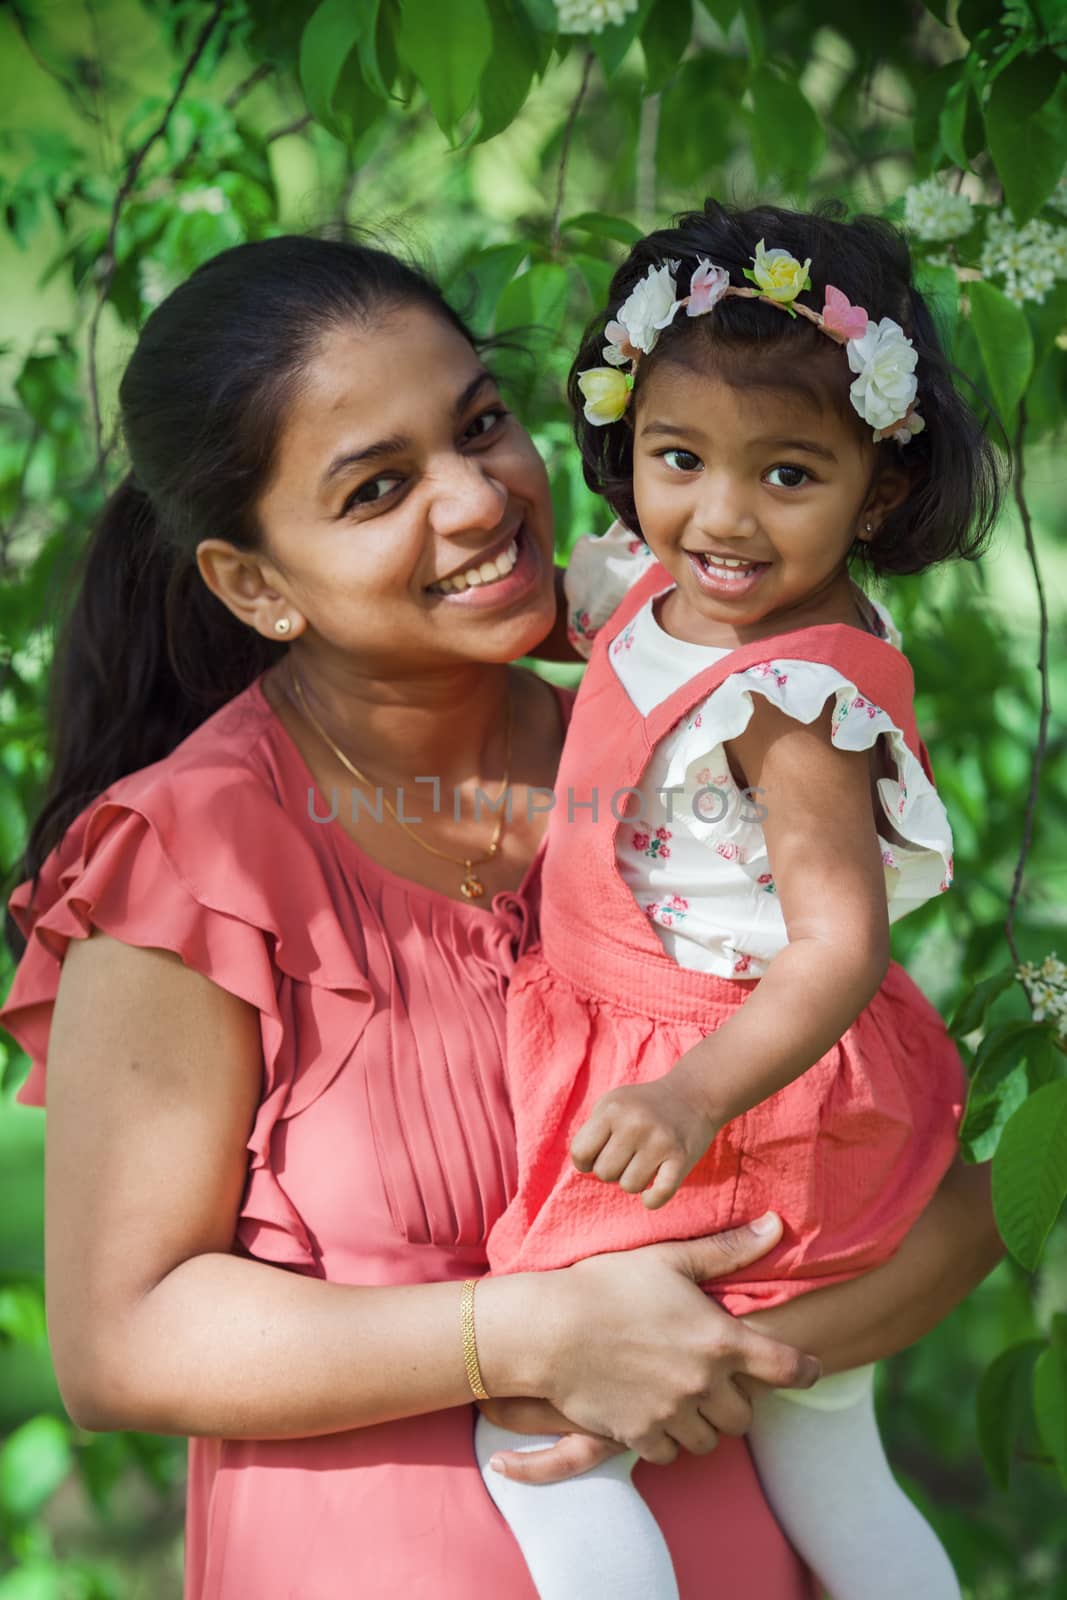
(142, 136)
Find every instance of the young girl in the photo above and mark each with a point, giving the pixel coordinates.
(713, 1025)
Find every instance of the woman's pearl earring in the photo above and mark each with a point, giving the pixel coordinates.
(282, 625)
(868, 527)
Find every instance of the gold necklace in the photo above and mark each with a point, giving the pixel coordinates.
(472, 887)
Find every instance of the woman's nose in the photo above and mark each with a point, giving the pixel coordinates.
(465, 496)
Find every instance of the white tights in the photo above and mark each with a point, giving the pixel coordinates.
(822, 1465)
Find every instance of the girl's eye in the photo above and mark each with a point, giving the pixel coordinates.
(681, 460)
(369, 493)
(485, 422)
(789, 477)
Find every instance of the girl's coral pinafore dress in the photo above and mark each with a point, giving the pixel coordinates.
(848, 1154)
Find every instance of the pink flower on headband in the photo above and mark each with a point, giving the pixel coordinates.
(840, 319)
(706, 287)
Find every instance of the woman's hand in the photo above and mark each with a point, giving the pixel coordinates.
(634, 1351)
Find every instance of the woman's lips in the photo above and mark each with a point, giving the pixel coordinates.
(524, 576)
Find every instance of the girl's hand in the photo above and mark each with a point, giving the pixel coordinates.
(575, 1453)
(647, 1134)
(634, 1351)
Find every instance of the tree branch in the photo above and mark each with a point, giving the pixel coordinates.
(296, 126)
(246, 85)
(565, 150)
(1042, 667)
(107, 264)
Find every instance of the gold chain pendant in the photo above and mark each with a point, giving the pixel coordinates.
(472, 888)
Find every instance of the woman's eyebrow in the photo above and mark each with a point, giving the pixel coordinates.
(396, 443)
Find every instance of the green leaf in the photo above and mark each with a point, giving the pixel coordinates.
(1004, 1406)
(787, 137)
(34, 1460)
(1030, 1173)
(931, 96)
(971, 1012)
(1050, 1395)
(475, 286)
(542, 13)
(333, 31)
(974, 16)
(1026, 121)
(689, 148)
(752, 12)
(537, 301)
(613, 43)
(721, 11)
(664, 39)
(960, 125)
(22, 1319)
(507, 78)
(597, 275)
(605, 227)
(1006, 344)
(447, 45)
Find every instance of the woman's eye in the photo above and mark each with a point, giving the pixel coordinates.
(485, 422)
(369, 493)
(789, 477)
(681, 460)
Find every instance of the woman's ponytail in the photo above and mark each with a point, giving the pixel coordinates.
(145, 653)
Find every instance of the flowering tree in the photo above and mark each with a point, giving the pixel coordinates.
(529, 142)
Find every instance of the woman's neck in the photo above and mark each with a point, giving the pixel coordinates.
(450, 725)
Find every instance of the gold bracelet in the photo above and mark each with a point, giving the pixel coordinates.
(470, 1345)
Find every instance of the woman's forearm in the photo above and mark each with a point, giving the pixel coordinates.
(948, 1252)
(228, 1347)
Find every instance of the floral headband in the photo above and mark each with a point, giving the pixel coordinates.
(879, 352)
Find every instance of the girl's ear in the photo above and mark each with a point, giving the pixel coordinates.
(890, 489)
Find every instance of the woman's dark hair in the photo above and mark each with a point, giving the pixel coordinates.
(147, 651)
(956, 483)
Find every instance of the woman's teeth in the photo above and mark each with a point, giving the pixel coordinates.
(485, 572)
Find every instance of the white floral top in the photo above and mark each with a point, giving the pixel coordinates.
(696, 859)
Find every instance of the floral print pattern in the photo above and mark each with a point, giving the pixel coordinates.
(668, 912)
(579, 626)
(624, 640)
(767, 669)
(652, 842)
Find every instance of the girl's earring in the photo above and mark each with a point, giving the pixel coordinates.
(282, 625)
(868, 528)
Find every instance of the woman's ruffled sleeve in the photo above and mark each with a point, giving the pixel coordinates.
(601, 571)
(915, 834)
(221, 876)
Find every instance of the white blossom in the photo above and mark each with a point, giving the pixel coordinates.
(649, 307)
(933, 212)
(1029, 259)
(592, 16)
(885, 360)
(212, 200)
(1046, 989)
(155, 282)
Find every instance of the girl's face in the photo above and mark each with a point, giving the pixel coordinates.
(751, 498)
(399, 474)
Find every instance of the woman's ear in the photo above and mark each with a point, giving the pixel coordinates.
(239, 579)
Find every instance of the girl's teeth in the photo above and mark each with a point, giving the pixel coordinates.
(488, 572)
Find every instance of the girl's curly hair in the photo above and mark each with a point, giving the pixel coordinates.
(955, 474)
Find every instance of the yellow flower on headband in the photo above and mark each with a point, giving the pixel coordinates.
(606, 392)
(779, 275)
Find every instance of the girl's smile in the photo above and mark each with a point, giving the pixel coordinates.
(752, 498)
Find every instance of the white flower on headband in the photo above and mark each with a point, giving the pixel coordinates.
(649, 307)
(706, 287)
(885, 360)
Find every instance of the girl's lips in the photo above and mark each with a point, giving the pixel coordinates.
(523, 577)
(728, 582)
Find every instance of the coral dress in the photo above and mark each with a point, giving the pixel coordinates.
(849, 1153)
(381, 1153)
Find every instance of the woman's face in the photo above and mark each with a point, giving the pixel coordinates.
(408, 519)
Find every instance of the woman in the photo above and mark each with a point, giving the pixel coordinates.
(273, 1022)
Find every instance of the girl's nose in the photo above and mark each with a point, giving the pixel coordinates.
(465, 497)
(724, 511)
